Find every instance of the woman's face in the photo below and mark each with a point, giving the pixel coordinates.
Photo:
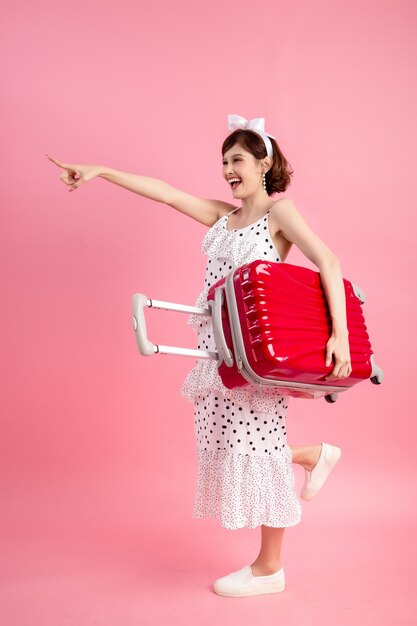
(241, 164)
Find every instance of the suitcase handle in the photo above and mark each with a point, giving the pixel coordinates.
(139, 302)
(146, 347)
(218, 331)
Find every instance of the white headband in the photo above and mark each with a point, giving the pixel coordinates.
(257, 124)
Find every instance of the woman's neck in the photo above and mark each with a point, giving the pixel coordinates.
(255, 205)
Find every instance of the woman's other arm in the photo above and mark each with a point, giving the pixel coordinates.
(295, 229)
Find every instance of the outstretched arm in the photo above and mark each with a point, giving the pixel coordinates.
(203, 210)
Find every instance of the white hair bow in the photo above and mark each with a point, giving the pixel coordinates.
(257, 124)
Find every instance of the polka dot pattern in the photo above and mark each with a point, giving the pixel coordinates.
(245, 475)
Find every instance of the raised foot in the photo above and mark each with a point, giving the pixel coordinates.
(313, 458)
(315, 479)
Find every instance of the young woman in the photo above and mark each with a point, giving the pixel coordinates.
(245, 476)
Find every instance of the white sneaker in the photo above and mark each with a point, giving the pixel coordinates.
(244, 583)
(315, 479)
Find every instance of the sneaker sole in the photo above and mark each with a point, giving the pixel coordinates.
(271, 588)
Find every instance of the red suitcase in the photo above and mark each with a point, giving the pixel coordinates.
(274, 328)
(271, 323)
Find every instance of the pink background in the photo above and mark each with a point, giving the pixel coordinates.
(98, 462)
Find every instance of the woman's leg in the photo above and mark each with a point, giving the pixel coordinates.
(307, 456)
(269, 559)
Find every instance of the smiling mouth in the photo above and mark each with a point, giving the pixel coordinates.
(234, 182)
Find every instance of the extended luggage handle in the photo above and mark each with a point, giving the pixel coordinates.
(147, 348)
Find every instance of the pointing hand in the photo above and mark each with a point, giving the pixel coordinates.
(75, 175)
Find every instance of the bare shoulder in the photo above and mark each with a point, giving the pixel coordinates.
(219, 209)
(224, 208)
(289, 224)
(280, 210)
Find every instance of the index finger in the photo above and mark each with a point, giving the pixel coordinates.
(63, 165)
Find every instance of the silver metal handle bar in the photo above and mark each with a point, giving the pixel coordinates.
(146, 347)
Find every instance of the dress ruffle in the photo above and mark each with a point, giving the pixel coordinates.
(197, 321)
(238, 252)
(247, 491)
(204, 377)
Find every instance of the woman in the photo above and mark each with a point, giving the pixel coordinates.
(245, 476)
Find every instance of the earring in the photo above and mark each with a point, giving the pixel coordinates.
(264, 182)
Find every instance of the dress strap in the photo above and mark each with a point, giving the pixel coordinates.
(237, 209)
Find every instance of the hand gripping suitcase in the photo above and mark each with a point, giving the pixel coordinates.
(271, 324)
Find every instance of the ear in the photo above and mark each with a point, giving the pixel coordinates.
(267, 163)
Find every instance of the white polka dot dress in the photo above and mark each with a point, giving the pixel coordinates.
(245, 473)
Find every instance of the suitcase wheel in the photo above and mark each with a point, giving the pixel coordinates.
(358, 293)
(376, 380)
(377, 375)
(331, 397)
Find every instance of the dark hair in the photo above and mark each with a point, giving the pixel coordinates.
(278, 177)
